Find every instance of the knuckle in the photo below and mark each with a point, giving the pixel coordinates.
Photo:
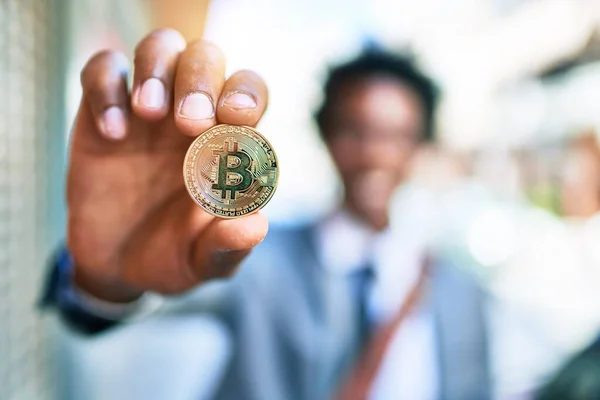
(99, 91)
(168, 34)
(106, 54)
(161, 38)
(250, 81)
(103, 85)
(101, 64)
(211, 50)
(249, 75)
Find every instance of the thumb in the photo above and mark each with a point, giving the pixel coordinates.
(224, 244)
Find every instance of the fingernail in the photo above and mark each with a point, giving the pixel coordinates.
(197, 106)
(113, 124)
(152, 94)
(239, 100)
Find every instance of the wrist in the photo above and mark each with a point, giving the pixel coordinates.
(93, 305)
(109, 290)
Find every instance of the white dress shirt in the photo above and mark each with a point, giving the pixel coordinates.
(344, 245)
(521, 355)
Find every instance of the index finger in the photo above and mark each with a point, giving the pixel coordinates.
(243, 100)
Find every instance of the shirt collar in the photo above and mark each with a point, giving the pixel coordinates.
(344, 242)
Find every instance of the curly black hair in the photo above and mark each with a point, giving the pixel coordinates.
(373, 63)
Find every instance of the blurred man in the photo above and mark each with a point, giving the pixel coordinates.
(305, 311)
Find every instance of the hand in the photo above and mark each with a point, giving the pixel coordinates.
(132, 226)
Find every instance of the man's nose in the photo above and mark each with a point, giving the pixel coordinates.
(376, 154)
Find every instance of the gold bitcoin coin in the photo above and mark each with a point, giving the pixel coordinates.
(231, 171)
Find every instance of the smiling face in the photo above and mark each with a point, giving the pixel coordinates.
(375, 127)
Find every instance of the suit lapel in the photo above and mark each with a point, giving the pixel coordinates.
(336, 318)
(458, 307)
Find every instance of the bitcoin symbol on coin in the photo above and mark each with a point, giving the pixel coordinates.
(234, 174)
(231, 171)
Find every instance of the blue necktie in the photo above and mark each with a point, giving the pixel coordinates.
(362, 280)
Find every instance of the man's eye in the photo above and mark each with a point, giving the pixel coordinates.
(348, 133)
(353, 133)
(407, 136)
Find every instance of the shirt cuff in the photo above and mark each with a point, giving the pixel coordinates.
(83, 311)
(138, 309)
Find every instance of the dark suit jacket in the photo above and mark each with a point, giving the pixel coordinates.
(294, 329)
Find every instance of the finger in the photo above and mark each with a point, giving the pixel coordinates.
(155, 63)
(198, 84)
(104, 84)
(243, 100)
(225, 243)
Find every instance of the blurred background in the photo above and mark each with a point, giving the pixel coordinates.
(513, 183)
